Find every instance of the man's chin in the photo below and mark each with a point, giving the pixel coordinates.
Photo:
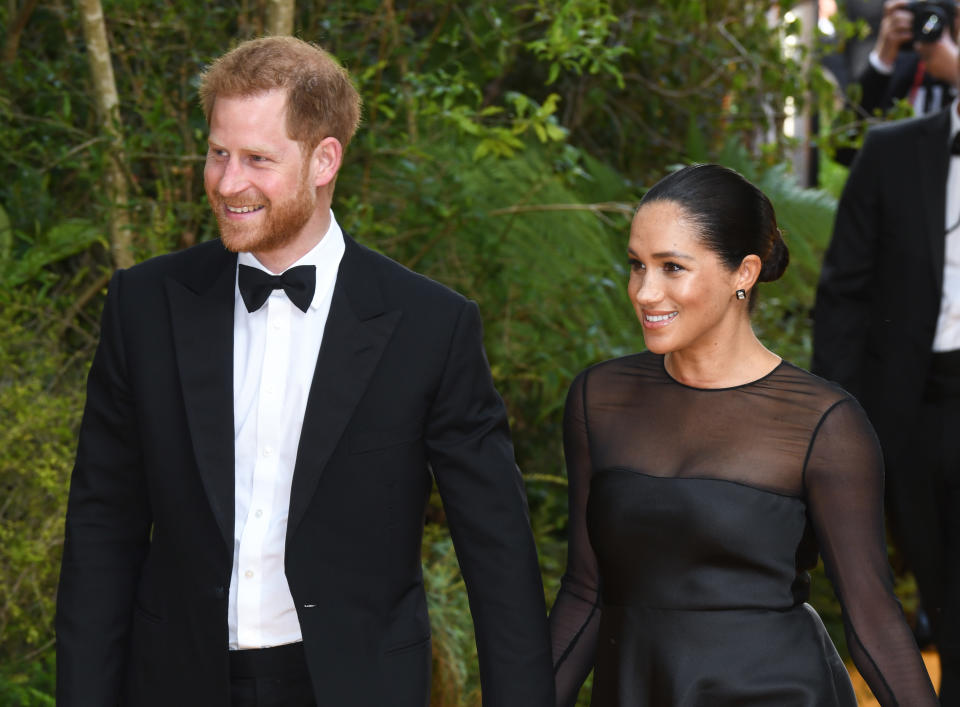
(236, 241)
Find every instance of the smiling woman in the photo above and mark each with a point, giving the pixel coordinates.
(700, 241)
(705, 475)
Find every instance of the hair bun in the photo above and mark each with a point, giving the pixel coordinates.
(776, 261)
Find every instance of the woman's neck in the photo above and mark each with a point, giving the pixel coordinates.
(725, 364)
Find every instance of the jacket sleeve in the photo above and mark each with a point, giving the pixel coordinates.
(107, 529)
(472, 458)
(880, 91)
(845, 291)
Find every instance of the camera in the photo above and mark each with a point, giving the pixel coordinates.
(930, 19)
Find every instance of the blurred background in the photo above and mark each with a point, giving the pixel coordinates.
(504, 147)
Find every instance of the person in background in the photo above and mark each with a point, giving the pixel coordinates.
(265, 416)
(920, 67)
(887, 328)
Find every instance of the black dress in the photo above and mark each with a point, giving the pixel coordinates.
(694, 515)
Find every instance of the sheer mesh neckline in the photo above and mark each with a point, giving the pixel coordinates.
(663, 365)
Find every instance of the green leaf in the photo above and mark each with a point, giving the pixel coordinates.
(554, 72)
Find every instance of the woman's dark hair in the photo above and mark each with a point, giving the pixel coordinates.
(735, 219)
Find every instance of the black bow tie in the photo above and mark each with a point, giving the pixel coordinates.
(256, 285)
(955, 144)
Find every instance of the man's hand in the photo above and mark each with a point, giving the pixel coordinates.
(941, 58)
(896, 27)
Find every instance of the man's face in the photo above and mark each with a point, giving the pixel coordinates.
(257, 180)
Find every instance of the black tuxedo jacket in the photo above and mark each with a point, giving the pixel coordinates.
(401, 394)
(879, 293)
(881, 91)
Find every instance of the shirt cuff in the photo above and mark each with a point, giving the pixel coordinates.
(879, 65)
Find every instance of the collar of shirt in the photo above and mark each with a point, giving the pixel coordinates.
(325, 255)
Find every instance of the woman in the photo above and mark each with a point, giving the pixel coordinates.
(704, 474)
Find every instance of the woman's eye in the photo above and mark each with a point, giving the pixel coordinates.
(672, 267)
(635, 264)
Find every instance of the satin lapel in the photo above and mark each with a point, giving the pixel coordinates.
(203, 340)
(933, 159)
(356, 333)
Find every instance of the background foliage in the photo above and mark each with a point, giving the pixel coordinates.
(503, 149)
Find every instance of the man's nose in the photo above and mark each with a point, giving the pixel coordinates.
(233, 180)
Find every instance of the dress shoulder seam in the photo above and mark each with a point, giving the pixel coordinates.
(813, 437)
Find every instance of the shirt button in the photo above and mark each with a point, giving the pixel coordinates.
(276, 326)
(248, 574)
(259, 513)
(267, 451)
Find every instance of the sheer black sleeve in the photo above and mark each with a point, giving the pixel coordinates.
(843, 477)
(575, 617)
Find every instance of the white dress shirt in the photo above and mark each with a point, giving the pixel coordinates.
(274, 355)
(947, 337)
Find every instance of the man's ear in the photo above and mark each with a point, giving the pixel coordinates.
(326, 159)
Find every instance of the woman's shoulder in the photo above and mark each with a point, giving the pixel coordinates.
(794, 381)
(644, 362)
(617, 377)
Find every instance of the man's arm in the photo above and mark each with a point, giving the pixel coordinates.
(896, 29)
(107, 529)
(845, 292)
(485, 503)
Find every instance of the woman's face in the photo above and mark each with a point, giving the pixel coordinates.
(684, 296)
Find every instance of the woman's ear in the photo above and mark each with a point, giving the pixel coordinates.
(748, 272)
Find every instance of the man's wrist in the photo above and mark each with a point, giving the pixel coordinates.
(879, 65)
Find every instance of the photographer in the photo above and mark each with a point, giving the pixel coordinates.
(915, 57)
(887, 329)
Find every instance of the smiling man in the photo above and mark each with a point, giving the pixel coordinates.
(265, 417)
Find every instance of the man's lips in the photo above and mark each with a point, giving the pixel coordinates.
(243, 209)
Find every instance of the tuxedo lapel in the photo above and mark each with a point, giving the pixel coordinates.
(933, 159)
(202, 322)
(356, 333)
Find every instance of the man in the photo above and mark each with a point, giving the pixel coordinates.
(256, 451)
(887, 328)
(902, 65)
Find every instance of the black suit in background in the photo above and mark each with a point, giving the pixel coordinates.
(877, 306)
(882, 91)
(401, 392)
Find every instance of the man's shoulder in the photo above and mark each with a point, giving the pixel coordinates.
(396, 279)
(195, 259)
(196, 267)
(909, 128)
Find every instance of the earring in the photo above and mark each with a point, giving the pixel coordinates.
(741, 294)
